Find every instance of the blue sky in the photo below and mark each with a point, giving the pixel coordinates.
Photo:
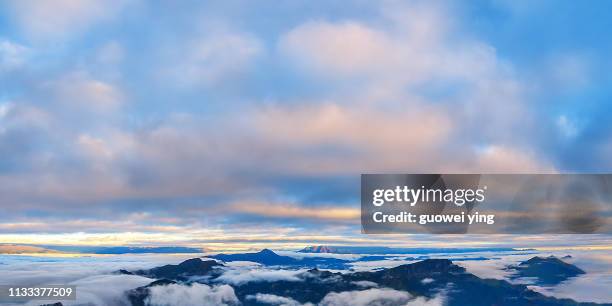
(229, 122)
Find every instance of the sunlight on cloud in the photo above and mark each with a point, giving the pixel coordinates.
(294, 211)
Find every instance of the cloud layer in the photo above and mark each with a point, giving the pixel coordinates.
(115, 122)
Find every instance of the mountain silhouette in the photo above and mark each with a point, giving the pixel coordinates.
(427, 279)
(269, 258)
(181, 272)
(547, 271)
(380, 250)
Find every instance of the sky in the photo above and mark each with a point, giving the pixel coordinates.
(238, 124)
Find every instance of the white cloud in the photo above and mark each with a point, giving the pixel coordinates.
(567, 127)
(427, 280)
(104, 290)
(215, 57)
(194, 294)
(62, 18)
(590, 287)
(272, 299)
(366, 297)
(412, 45)
(438, 300)
(92, 275)
(4, 109)
(85, 93)
(12, 55)
(344, 48)
(365, 284)
(371, 265)
(249, 274)
(240, 264)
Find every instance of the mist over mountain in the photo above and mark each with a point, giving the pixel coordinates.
(182, 271)
(269, 258)
(545, 270)
(389, 250)
(425, 280)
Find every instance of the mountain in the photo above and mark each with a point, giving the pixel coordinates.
(547, 271)
(459, 287)
(138, 296)
(23, 249)
(269, 258)
(124, 272)
(107, 250)
(194, 267)
(264, 257)
(319, 249)
(427, 279)
(387, 250)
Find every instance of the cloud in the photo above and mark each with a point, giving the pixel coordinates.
(409, 50)
(590, 287)
(271, 299)
(101, 290)
(567, 127)
(211, 58)
(427, 280)
(80, 91)
(194, 294)
(372, 265)
(366, 138)
(92, 275)
(62, 18)
(295, 211)
(366, 297)
(12, 55)
(365, 284)
(243, 275)
(415, 44)
(344, 48)
(284, 114)
(502, 159)
(381, 297)
(106, 289)
(437, 300)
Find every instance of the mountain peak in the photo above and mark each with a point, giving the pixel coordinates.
(189, 267)
(547, 270)
(267, 252)
(318, 249)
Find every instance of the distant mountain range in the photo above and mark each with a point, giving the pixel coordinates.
(24, 249)
(388, 250)
(426, 279)
(373, 250)
(269, 258)
(108, 250)
(181, 272)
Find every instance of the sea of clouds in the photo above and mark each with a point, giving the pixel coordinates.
(98, 285)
